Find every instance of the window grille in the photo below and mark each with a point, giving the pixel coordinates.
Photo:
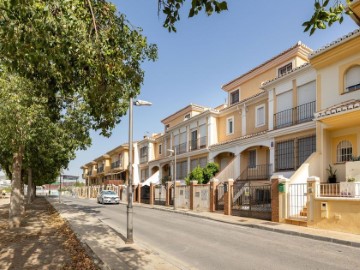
(306, 146)
(344, 151)
(285, 155)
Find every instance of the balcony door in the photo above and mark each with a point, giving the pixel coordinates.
(194, 140)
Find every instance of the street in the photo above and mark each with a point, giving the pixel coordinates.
(206, 244)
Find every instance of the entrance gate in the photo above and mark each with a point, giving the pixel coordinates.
(297, 201)
(219, 204)
(252, 199)
(145, 194)
(160, 195)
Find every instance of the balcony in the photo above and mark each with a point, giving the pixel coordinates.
(180, 148)
(144, 159)
(100, 169)
(300, 114)
(115, 164)
(197, 144)
(258, 172)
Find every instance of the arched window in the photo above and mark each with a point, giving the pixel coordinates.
(344, 151)
(352, 79)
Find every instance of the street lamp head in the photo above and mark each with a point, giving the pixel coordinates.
(142, 103)
(171, 151)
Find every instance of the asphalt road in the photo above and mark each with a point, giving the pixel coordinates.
(206, 244)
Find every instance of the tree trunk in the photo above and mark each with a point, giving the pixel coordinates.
(16, 198)
(30, 190)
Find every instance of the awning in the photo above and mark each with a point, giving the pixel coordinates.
(155, 179)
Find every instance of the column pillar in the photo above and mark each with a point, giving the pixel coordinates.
(192, 195)
(279, 198)
(313, 183)
(168, 195)
(228, 195)
(213, 193)
(152, 194)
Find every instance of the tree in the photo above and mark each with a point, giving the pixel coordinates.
(326, 12)
(81, 61)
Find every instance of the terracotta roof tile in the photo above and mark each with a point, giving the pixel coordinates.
(240, 138)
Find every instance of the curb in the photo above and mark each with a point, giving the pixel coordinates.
(256, 226)
(96, 259)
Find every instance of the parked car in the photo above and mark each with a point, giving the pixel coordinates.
(108, 196)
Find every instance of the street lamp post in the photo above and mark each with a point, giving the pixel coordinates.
(174, 151)
(129, 211)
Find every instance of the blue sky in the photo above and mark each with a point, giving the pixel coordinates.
(205, 53)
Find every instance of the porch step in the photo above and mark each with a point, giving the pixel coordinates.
(297, 222)
(303, 213)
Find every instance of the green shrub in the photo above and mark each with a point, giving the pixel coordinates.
(209, 171)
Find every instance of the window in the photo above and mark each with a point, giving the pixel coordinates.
(252, 159)
(194, 142)
(234, 97)
(230, 125)
(352, 79)
(181, 170)
(187, 116)
(284, 155)
(160, 149)
(284, 69)
(260, 116)
(143, 154)
(144, 174)
(306, 146)
(343, 151)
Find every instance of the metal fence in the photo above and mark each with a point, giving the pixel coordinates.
(160, 195)
(297, 201)
(251, 199)
(219, 204)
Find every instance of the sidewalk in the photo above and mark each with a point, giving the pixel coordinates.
(109, 251)
(107, 247)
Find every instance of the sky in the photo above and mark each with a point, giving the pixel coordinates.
(205, 53)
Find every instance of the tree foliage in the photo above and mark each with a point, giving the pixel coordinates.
(68, 66)
(326, 12)
(171, 10)
(203, 175)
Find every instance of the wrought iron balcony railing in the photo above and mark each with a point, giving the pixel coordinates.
(300, 114)
(258, 172)
(197, 144)
(180, 148)
(115, 164)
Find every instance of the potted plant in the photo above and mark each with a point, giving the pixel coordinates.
(332, 175)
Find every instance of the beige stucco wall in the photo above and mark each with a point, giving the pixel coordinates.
(352, 169)
(251, 118)
(304, 133)
(343, 215)
(221, 126)
(331, 68)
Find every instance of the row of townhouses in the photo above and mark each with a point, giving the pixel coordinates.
(292, 120)
(301, 105)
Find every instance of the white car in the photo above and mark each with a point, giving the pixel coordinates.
(108, 196)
